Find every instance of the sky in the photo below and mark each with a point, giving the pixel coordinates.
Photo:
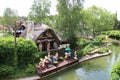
(23, 6)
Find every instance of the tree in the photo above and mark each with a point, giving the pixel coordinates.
(98, 19)
(40, 11)
(68, 18)
(9, 17)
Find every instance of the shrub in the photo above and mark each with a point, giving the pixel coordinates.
(6, 71)
(40, 55)
(19, 59)
(100, 38)
(89, 48)
(115, 43)
(82, 43)
(30, 69)
(103, 50)
(115, 72)
(7, 55)
(25, 52)
(114, 34)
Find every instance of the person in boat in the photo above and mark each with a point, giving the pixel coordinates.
(56, 55)
(49, 57)
(66, 55)
(41, 65)
(46, 61)
(75, 55)
(67, 51)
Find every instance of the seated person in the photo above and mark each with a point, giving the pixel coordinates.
(69, 53)
(49, 58)
(75, 55)
(66, 54)
(54, 58)
(41, 65)
(56, 55)
(47, 62)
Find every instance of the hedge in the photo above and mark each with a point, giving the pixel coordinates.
(25, 52)
(7, 55)
(6, 71)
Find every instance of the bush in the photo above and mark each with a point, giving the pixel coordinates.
(115, 72)
(115, 43)
(103, 50)
(26, 50)
(89, 48)
(40, 55)
(6, 71)
(30, 69)
(7, 55)
(100, 38)
(19, 58)
(82, 43)
(86, 46)
(114, 34)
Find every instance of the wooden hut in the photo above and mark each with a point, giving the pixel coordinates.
(44, 37)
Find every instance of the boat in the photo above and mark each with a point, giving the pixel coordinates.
(66, 63)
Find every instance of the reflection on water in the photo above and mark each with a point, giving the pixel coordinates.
(95, 69)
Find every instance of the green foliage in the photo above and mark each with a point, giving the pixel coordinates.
(40, 11)
(98, 19)
(6, 71)
(86, 46)
(7, 55)
(114, 34)
(40, 55)
(9, 17)
(115, 72)
(25, 52)
(68, 19)
(115, 43)
(12, 62)
(84, 42)
(30, 69)
(90, 47)
(103, 50)
(100, 38)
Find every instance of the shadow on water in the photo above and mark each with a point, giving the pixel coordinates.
(95, 69)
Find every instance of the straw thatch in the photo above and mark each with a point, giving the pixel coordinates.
(42, 33)
(39, 30)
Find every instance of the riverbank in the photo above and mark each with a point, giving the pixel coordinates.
(92, 56)
(82, 59)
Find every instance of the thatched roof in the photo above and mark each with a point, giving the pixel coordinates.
(39, 28)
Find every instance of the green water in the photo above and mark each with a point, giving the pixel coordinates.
(95, 69)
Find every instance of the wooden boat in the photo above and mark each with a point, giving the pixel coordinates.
(67, 63)
(56, 68)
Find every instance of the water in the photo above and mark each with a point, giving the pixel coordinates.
(95, 69)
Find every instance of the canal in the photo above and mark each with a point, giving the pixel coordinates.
(95, 69)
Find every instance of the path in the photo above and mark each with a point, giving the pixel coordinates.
(30, 78)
